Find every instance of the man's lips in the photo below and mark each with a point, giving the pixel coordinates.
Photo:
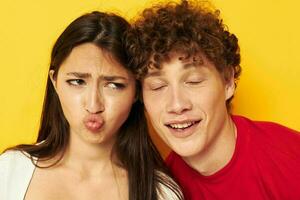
(93, 123)
(182, 129)
(181, 124)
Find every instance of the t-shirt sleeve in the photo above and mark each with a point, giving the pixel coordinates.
(16, 170)
(5, 160)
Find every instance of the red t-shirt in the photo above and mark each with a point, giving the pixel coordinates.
(265, 165)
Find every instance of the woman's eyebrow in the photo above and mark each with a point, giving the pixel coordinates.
(104, 77)
(79, 74)
(112, 78)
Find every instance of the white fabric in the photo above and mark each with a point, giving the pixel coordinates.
(16, 171)
(166, 194)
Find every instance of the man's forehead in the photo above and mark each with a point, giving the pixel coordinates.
(186, 63)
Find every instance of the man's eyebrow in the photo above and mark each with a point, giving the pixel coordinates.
(160, 72)
(190, 65)
(154, 73)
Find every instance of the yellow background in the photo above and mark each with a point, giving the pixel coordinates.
(268, 32)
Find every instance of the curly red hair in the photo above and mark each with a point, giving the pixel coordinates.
(187, 27)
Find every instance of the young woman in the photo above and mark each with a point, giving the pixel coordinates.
(93, 141)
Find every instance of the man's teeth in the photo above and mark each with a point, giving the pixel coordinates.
(184, 125)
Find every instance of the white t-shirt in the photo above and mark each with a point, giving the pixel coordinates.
(16, 171)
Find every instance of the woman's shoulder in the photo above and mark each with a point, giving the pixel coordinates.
(166, 193)
(10, 159)
(12, 155)
(16, 169)
(168, 188)
(12, 162)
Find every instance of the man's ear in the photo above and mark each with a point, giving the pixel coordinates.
(52, 78)
(229, 87)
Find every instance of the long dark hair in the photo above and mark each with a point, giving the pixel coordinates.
(133, 147)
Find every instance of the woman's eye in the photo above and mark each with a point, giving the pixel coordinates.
(76, 82)
(115, 86)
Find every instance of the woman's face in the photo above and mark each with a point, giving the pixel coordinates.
(96, 93)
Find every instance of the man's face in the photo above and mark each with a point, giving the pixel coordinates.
(186, 104)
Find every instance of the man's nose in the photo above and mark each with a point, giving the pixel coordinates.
(178, 101)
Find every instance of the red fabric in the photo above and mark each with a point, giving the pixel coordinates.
(265, 165)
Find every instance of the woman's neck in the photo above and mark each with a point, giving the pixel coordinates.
(88, 159)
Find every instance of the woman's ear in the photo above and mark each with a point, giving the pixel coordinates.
(52, 78)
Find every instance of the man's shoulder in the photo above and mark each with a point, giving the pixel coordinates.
(269, 138)
(273, 154)
(265, 128)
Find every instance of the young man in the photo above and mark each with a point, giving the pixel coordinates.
(188, 64)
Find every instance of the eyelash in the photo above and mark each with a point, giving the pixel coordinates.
(76, 82)
(188, 82)
(115, 86)
(194, 82)
(112, 85)
(157, 88)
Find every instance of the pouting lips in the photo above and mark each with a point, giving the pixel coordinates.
(182, 126)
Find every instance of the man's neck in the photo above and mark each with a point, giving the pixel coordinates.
(218, 154)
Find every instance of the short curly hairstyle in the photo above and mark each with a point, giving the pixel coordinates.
(188, 27)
